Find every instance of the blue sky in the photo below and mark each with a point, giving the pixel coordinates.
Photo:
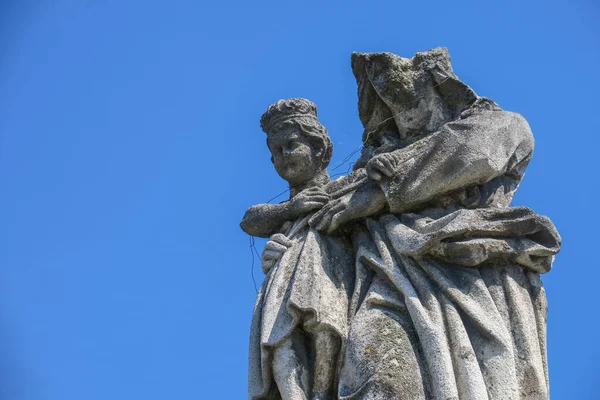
(130, 148)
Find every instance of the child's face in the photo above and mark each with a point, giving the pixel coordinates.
(294, 157)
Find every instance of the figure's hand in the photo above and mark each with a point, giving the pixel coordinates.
(308, 200)
(381, 165)
(364, 202)
(274, 250)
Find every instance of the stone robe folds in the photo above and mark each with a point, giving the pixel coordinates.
(448, 301)
(307, 290)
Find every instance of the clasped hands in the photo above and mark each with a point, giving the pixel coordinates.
(330, 214)
(363, 202)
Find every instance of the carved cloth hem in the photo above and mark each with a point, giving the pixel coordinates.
(308, 288)
(450, 308)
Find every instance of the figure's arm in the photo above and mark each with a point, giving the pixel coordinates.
(462, 153)
(264, 220)
(364, 201)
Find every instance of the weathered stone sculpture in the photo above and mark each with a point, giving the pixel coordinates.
(300, 318)
(414, 268)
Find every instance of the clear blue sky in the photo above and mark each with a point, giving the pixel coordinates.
(130, 148)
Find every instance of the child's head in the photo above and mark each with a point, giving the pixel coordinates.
(300, 146)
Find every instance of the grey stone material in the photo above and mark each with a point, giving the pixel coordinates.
(300, 320)
(424, 279)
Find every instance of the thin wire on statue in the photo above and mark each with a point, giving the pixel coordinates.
(252, 250)
(346, 159)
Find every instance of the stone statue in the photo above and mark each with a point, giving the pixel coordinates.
(443, 299)
(301, 313)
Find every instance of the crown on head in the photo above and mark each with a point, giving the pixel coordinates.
(284, 110)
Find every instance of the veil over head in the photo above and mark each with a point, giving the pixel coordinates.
(389, 84)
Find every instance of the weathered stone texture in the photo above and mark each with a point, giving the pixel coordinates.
(412, 277)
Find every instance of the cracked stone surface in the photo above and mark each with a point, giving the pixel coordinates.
(411, 277)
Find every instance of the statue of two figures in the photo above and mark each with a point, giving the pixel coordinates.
(411, 277)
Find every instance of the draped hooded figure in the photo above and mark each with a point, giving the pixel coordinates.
(448, 301)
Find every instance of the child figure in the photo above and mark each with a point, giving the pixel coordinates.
(300, 317)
